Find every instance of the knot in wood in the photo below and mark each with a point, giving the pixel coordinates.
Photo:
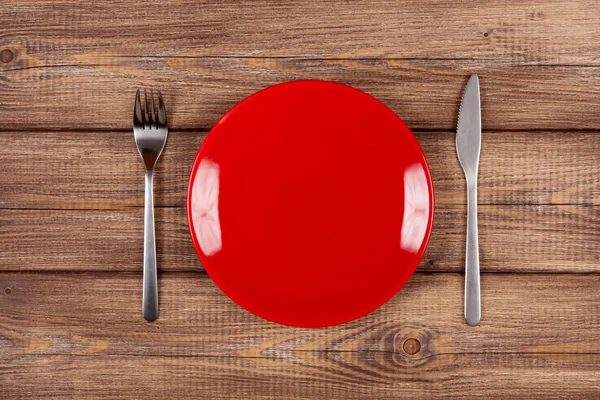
(411, 346)
(6, 55)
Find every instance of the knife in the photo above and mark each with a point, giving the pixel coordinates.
(468, 147)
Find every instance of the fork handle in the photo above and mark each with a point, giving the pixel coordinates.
(150, 293)
(472, 285)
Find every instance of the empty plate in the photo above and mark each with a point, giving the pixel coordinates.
(310, 203)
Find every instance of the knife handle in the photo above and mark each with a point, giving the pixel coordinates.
(472, 285)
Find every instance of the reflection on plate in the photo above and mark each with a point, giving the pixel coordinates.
(416, 208)
(205, 207)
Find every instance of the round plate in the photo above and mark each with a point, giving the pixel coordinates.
(310, 203)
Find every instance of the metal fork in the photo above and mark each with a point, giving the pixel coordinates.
(150, 131)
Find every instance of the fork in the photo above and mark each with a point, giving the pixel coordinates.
(150, 132)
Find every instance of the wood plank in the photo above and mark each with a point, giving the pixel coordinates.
(102, 170)
(97, 93)
(53, 314)
(513, 238)
(62, 240)
(86, 170)
(507, 32)
(539, 332)
(305, 377)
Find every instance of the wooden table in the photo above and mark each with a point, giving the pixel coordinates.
(71, 198)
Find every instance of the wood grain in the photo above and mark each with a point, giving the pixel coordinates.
(35, 240)
(70, 314)
(98, 94)
(77, 326)
(573, 376)
(513, 238)
(102, 170)
(90, 170)
(509, 32)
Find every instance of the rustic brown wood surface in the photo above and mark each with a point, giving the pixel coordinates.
(82, 333)
(71, 197)
(425, 93)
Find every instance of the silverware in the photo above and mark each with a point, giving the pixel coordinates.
(468, 147)
(150, 131)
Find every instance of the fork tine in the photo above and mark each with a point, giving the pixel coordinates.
(147, 123)
(162, 111)
(154, 123)
(138, 118)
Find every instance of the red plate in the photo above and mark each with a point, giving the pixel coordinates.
(310, 203)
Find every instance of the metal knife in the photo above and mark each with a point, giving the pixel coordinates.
(468, 147)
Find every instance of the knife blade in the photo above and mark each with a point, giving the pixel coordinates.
(468, 148)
